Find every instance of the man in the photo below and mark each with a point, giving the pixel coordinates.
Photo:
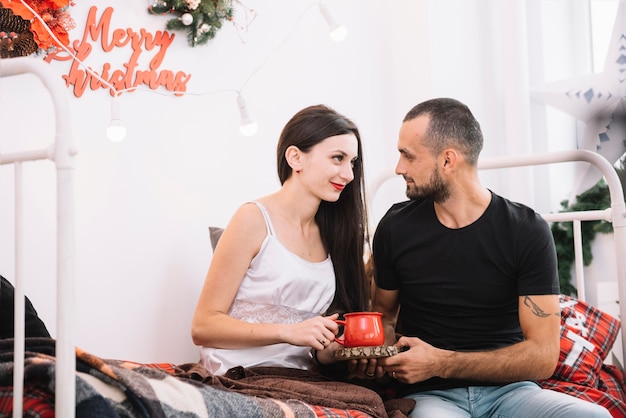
(470, 281)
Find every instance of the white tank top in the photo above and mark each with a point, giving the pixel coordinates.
(279, 287)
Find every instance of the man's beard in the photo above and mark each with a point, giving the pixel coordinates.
(436, 189)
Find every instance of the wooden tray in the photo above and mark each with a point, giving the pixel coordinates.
(348, 353)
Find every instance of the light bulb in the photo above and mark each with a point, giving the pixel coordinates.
(247, 127)
(116, 131)
(337, 32)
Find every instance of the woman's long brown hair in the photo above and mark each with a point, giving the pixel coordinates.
(342, 224)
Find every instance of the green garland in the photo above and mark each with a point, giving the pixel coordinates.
(201, 19)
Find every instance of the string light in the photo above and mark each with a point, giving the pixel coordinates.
(337, 32)
(117, 132)
(248, 127)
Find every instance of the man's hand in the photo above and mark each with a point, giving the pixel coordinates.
(416, 361)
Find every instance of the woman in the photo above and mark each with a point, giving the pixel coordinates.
(287, 259)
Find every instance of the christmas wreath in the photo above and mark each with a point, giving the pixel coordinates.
(22, 34)
(201, 19)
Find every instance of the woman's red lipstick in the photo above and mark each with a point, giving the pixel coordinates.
(338, 186)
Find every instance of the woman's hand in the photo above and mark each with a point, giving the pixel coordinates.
(365, 368)
(327, 355)
(318, 332)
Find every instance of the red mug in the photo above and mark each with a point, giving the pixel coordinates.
(362, 329)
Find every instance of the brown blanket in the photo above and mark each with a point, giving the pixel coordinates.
(307, 386)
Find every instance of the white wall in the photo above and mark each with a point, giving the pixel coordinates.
(143, 206)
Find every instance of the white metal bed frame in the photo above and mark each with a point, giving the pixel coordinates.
(62, 152)
(616, 214)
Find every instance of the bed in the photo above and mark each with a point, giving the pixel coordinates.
(47, 377)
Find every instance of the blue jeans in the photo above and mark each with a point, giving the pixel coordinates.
(515, 400)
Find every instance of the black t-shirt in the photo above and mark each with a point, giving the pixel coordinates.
(34, 326)
(459, 288)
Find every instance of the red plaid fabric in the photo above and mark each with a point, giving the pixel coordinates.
(36, 403)
(40, 404)
(587, 335)
(612, 380)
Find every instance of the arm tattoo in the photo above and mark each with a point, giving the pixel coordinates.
(535, 308)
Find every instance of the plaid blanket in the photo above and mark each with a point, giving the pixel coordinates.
(608, 392)
(587, 336)
(314, 389)
(116, 388)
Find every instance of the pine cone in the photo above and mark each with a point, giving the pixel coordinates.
(16, 39)
(12, 23)
(24, 44)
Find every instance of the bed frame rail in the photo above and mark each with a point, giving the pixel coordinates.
(62, 153)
